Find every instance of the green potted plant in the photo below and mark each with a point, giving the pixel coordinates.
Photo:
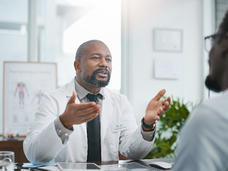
(168, 129)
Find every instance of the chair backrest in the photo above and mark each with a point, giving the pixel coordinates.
(121, 157)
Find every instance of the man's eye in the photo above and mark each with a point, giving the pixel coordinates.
(109, 59)
(95, 57)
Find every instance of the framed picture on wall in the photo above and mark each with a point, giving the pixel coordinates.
(167, 40)
(23, 85)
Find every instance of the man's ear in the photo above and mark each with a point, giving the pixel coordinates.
(224, 47)
(76, 66)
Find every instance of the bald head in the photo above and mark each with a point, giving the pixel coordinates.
(83, 48)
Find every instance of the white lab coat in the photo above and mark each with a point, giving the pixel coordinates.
(119, 131)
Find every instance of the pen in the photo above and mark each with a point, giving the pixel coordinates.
(59, 167)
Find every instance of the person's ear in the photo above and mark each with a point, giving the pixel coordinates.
(76, 66)
(224, 46)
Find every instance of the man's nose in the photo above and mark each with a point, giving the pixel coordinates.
(103, 62)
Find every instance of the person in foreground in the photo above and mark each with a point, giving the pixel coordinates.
(203, 140)
(94, 123)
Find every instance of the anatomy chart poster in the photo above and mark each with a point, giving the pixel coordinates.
(24, 84)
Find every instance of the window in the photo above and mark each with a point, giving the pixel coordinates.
(67, 24)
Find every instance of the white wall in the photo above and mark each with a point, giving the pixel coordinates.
(143, 16)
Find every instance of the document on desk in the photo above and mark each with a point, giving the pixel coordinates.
(39, 167)
(61, 166)
(33, 165)
(161, 165)
(79, 166)
(125, 166)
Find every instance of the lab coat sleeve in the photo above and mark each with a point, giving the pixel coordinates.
(42, 143)
(132, 144)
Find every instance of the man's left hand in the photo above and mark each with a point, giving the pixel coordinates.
(156, 108)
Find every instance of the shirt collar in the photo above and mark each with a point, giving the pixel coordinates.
(82, 92)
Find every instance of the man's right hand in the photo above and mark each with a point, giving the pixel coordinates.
(79, 113)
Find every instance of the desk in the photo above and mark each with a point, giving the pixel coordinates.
(120, 166)
(16, 146)
(143, 164)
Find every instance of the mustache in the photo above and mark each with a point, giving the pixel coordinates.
(212, 84)
(102, 70)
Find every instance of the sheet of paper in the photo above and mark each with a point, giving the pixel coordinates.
(167, 68)
(161, 164)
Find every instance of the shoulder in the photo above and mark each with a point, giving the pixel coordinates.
(208, 113)
(201, 126)
(211, 110)
(60, 93)
(218, 104)
(206, 124)
(201, 120)
(65, 90)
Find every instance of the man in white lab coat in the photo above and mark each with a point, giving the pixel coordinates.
(204, 138)
(86, 122)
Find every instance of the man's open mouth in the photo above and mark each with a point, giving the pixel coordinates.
(102, 73)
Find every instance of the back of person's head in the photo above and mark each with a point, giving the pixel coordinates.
(223, 35)
(224, 25)
(217, 80)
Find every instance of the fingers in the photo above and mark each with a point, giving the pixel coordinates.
(161, 111)
(156, 108)
(72, 98)
(166, 107)
(83, 106)
(159, 95)
(83, 110)
(90, 110)
(166, 104)
(157, 118)
(168, 100)
(91, 114)
(91, 117)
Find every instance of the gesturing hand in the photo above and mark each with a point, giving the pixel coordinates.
(78, 113)
(156, 108)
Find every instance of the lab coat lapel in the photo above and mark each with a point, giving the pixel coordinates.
(69, 91)
(106, 114)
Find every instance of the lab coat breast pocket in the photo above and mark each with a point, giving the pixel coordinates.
(115, 135)
(111, 143)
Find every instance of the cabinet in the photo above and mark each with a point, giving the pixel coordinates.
(16, 146)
